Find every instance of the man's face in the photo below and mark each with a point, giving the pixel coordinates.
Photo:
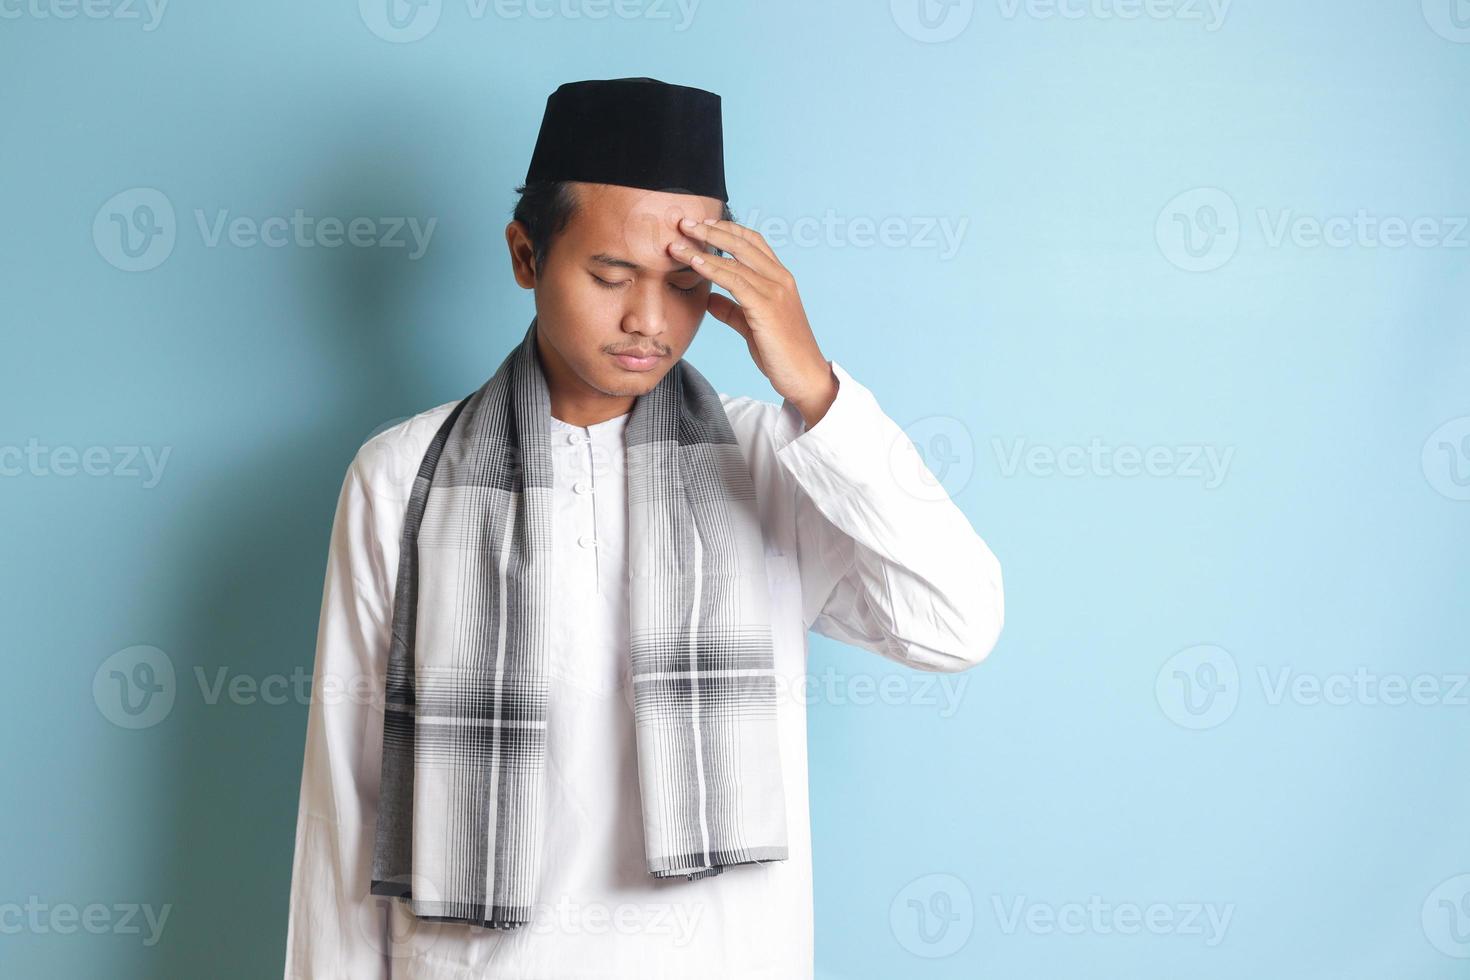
(609, 285)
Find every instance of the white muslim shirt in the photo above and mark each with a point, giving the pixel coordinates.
(862, 545)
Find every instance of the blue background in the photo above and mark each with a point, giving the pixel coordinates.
(1078, 766)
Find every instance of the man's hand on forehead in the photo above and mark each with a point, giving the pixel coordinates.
(766, 309)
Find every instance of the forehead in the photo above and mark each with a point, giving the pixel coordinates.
(633, 223)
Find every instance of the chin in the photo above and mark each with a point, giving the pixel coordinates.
(642, 384)
(622, 384)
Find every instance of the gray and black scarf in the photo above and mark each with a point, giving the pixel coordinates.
(460, 806)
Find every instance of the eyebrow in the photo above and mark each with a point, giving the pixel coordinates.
(602, 258)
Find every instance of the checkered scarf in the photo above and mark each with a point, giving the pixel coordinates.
(460, 807)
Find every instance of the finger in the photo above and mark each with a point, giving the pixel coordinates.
(748, 234)
(726, 310)
(745, 249)
(737, 278)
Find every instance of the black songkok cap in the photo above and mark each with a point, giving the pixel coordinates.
(637, 132)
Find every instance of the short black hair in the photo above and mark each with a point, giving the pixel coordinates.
(545, 207)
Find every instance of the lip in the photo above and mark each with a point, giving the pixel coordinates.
(632, 363)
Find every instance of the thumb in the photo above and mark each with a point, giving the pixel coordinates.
(726, 310)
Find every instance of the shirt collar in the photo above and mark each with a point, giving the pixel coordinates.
(605, 431)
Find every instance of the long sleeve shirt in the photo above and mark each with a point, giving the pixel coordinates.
(851, 552)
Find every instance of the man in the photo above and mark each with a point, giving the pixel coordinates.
(574, 604)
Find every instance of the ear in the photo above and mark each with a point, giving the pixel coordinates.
(522, 254)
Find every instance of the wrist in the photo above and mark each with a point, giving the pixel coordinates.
(816, 398)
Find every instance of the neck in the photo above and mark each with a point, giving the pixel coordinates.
(573, 401)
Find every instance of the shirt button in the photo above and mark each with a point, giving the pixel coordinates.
(576, 437)
(587, 541)
(583, 487)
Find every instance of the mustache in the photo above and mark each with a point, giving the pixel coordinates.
(640, 352)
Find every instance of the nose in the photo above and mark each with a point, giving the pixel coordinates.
(647, 309)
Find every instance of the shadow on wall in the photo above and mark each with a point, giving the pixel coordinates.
(230, 785)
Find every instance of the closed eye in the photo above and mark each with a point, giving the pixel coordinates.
(623, 282)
